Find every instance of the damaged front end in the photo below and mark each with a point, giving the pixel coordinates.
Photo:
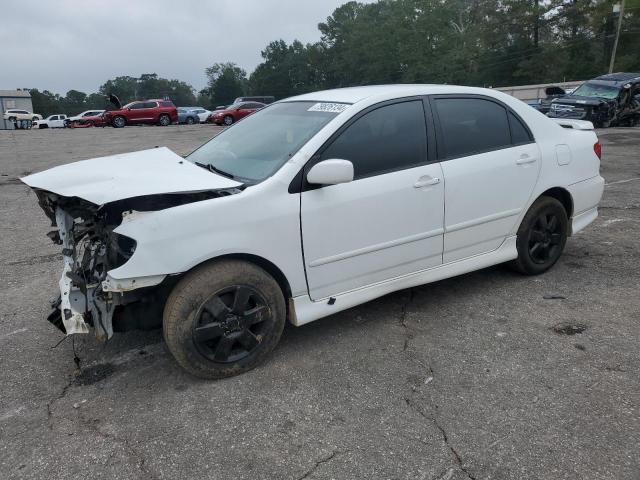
(90, 248)
(87, 201)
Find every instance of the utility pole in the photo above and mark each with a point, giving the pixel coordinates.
(620, 9)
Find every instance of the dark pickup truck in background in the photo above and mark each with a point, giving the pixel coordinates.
(608, 100)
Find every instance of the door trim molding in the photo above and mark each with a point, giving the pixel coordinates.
(376, 247)
(306, 310)
(479, 221)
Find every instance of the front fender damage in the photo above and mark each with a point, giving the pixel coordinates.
(89, 296)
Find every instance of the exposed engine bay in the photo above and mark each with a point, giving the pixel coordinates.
(91, 248)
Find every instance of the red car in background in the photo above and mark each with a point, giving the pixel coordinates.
(89, 121)
(156, 111)
(234, 112)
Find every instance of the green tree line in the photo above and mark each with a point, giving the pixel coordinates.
(468, 42)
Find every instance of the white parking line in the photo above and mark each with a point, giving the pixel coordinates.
(622, 181)
(7, 335)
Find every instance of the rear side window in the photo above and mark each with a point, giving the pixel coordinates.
(388, 138)
(472, 125)
(165, 104)
(150, 105)
(519, 133)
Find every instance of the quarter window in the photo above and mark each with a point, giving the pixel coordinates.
(519, 134)
(472, 125)
(388, 138)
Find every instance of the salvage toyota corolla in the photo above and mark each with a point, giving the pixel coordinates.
(308, 207)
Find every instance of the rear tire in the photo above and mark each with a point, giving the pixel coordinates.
(164, 120)
(541, 237)
(223, 318)
(12, 119)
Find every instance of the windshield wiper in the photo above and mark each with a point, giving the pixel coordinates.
(213, 169)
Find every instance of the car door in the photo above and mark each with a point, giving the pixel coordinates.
(388, 221)
(136, 112)
(490, 164)
(59, 122)
(52, 121)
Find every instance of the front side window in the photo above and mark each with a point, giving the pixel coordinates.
(472, 125)
(260, 144)
(388, 138)
(135, 106)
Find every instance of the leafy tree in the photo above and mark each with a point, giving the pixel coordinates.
(149, 85)
(226, 82)
(288, 70)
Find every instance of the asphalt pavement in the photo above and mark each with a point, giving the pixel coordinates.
(490, 375)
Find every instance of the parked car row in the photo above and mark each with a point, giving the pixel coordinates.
(607, 100)
(153, 111)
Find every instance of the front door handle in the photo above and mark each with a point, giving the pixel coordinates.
(426, 181)
(525, 158)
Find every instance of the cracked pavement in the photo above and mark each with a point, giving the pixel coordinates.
(461, 379)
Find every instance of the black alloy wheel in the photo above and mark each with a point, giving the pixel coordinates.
(223, 318)
(190, 121)
(541, 236)
(545, 238)
(231, 324)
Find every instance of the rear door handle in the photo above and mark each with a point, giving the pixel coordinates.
(525, 158)
(426, 181)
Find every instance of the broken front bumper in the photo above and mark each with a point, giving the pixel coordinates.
(81, 303)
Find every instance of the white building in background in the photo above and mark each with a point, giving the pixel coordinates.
(13, 99)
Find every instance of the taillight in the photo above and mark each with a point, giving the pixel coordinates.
(598, 149)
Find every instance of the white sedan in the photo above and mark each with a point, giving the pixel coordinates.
(311, 206)
(52, 121)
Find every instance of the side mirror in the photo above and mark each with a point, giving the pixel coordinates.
(331, 172)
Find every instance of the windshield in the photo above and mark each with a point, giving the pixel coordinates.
(261, 143)
(589, 89)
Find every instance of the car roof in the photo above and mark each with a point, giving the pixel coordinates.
(619, 77)
(357, 94)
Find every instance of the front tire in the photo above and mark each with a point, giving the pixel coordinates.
(541, 237)
(190, 121)
(223, 318)
(164, 120)
(228, 120)
(118, 122)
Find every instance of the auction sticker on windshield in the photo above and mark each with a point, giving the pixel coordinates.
(329, 107)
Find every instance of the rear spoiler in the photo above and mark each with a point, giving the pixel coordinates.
(574, 124)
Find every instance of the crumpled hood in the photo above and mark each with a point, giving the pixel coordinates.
(118, 177)
(578, 100)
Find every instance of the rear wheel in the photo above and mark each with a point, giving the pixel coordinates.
(541, 237)
(164, 120)
(223, 318)
(12, 119)
(228, 120)
(118, 122)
